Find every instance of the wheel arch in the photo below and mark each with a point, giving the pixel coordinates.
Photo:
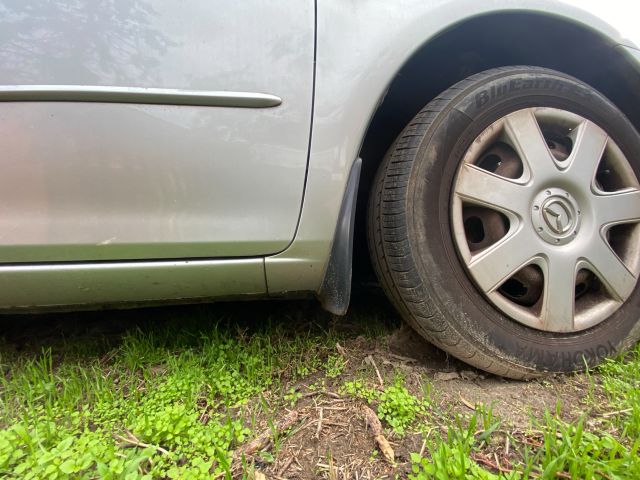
(480, 43)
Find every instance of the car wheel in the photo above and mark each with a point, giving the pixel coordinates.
(503, 223)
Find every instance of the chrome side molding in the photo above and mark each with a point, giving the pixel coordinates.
(140, 95)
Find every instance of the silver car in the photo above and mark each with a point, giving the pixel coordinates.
(488, 152)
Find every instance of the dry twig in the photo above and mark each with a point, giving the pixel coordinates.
(262, 440)
(284, 468)
(466, 403)
(485, 461)
(317, 435)
(369, 359)
(617, 412)
(132, 441)
(321, 392)
(373, 422)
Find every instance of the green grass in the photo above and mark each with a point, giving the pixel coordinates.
(174, 397)
(602, 444)
(166, 400)
(394, 405)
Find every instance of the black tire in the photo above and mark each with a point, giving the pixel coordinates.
(410, 236)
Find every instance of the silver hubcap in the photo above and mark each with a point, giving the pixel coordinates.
(545, 215)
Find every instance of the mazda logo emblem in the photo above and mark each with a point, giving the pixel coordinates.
(557, 216)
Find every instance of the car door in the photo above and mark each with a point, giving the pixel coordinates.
(139, 129)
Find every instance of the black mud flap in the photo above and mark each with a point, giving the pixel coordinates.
(335, 293)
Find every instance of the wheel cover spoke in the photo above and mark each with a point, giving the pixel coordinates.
(620, 207)
(558, 304)
(589, 146)
(523, 131)
(495, 265)
(481, 187)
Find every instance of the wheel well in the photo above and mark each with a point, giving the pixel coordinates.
(475, 45)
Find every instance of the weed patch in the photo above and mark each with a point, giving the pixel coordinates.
(187, 398)
(169, 402)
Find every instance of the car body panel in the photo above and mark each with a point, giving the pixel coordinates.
(257, 190)
(620, 14)
(87, 180)
(82, 285)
